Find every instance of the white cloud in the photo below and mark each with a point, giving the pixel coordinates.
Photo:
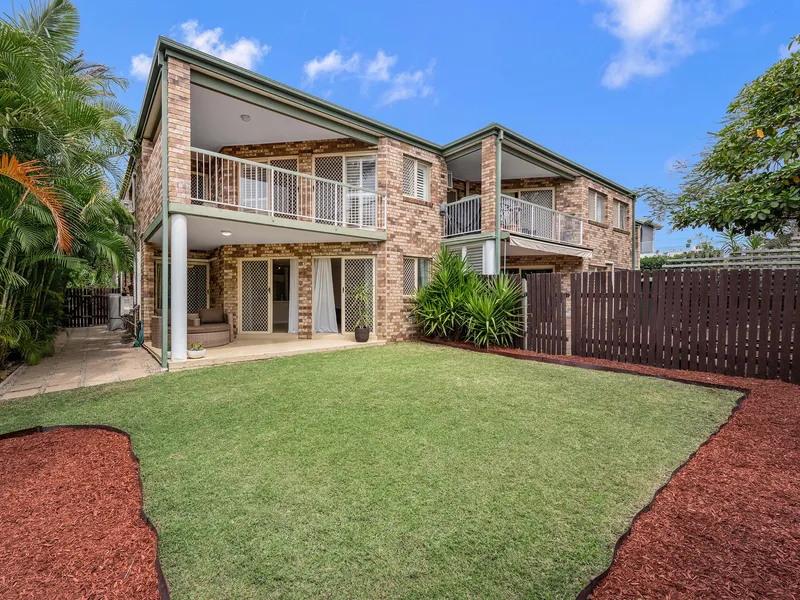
(140, 66)
(409, 84)
(245, 52)
(657, 34)
(377, 71)
(379, 68)
(784, 52)
(331, 65)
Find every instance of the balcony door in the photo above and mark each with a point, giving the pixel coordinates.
(361, 206)
(340, 205)
(285, 188)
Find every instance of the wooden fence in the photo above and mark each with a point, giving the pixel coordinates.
(738, 322)
(547, 314)
(85, 307)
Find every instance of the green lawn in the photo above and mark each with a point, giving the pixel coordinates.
(406, 470)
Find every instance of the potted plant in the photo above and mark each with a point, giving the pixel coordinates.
(362, 295)
(196, 350)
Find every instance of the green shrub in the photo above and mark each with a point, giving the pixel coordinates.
(652, 263)
(460, 304)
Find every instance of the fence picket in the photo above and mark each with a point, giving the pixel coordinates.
(742, 322)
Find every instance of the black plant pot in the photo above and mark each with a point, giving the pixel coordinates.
(362, 334)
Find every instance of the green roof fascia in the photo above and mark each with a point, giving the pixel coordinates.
(338, 113)
(515, 138)
(288, 93)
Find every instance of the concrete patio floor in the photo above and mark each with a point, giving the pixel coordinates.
(258, 346)
(83, 357)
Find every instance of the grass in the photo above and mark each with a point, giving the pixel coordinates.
(400, 471)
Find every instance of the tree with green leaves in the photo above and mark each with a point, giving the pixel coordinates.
(63, 135)
(748, 180)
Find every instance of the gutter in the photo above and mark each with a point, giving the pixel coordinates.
(498, 183)
(164, 216)
(633, 233)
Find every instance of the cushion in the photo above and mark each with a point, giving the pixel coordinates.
(212, 315)
(208, 328)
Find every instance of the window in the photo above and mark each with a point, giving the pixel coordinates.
(338, 205)
(197, 286)
(620, 215)
(416, 274)
(361, 209)
(416, 179)
(597, 207)
(253, 187)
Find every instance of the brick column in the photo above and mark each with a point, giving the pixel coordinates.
(488, 182)
(305, 323)
(179, 131)
(147, 307)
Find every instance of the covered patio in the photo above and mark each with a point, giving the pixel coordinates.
(273, 222)
(250, 347)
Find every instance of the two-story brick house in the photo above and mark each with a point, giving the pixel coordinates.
(275, 205)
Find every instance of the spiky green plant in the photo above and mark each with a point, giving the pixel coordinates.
(460, 304)
(440, 307)
(493, 314)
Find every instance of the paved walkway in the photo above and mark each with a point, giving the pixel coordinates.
(83, 357)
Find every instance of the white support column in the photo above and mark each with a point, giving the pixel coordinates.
(178, 292)
(489, 260)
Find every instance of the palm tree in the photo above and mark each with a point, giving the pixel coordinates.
(64, 138)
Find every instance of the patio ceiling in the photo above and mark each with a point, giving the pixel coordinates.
(205, 233)
(217, 122)
(468, 167)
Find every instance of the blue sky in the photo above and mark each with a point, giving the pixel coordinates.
(624, 87)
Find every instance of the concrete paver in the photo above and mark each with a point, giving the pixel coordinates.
(83, 357)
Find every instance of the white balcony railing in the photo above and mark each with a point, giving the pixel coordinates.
(237, 184)
(531, 220)
(463, 216)
(519, 217)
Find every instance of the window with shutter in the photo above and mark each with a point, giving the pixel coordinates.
(361, 209)
(474, 256)
(542, 197)
(416, 179)
(253, 185)
(409, 174)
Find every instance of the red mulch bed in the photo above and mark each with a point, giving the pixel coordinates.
(727, 525)
(70, 518)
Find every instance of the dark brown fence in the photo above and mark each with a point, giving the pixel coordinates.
(742, 322)
(85, 307)
(547, 314)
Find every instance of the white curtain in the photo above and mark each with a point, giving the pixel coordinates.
(323, 306)
(294, 293)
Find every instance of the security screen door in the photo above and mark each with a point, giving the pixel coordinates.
(355, 273)
(255, 296)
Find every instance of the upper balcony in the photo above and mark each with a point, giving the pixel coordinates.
(517, 216)
(231, 183)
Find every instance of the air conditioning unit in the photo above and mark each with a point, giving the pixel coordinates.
(450, 180)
